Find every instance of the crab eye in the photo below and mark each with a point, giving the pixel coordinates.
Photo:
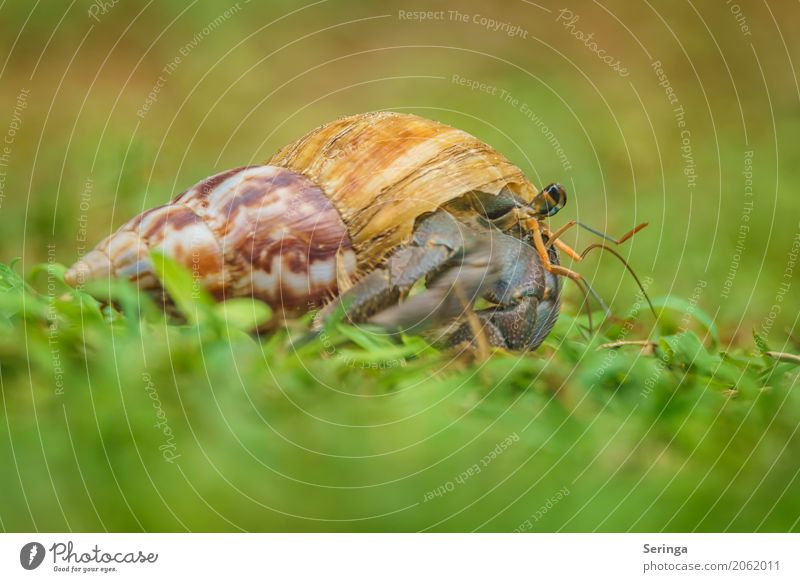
(550, 200)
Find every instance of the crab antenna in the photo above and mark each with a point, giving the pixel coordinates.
(609, 238)
(601, 246)
(586, 303)
(588, 291)
(606, 309)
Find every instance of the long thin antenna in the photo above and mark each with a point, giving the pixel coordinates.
(601, 246)
(586, 303)
(606, 309)
(616, 241)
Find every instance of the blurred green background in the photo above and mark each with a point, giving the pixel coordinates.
(108, 109)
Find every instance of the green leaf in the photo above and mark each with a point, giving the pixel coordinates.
(123, 294)
(191, 298)
(687, 349)
(692, 310)
(50, 270)
(17, 297)
(245, 313)
(761, 343)
(364, 337)
(763, 349)
(9, 279)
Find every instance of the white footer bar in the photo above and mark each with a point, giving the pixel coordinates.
(402, 557)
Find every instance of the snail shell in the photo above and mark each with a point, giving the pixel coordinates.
(261, 231)
(324, 210)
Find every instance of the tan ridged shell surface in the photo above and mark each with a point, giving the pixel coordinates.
(383, 170)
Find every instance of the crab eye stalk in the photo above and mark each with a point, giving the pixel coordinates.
(550, 200)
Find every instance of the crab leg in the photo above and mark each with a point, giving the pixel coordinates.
(541, 249)
(449, 295)
(562, 246)
(383, 287)
(458, 267)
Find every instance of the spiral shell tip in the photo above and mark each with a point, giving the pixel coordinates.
(92, 266)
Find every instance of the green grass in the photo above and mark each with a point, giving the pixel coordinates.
(119, 419)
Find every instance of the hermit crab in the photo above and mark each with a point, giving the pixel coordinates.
(354, 215)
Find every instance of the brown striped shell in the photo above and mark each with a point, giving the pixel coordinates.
(258, 231)
(325, 209)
